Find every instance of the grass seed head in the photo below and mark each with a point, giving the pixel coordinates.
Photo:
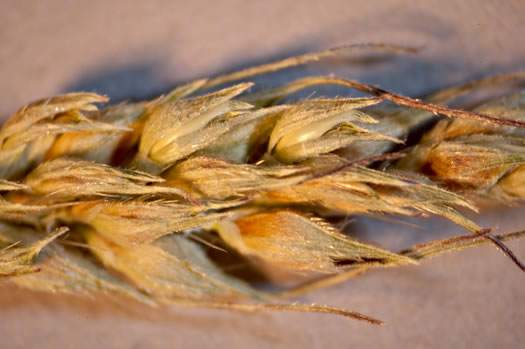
(140, 184)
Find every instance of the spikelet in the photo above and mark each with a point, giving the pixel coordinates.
(320, 126)
(215, 178)
(473, 157)
(69, 180)
(24, 138)
(177, 129)
(16, 260)
(398, 122)
(135, 222)
(171, 267)
(57, 268)
(361, 190)
(102, 146)
(294, 241)
(149, 189)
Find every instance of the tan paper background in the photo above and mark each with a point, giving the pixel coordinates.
(136, 49)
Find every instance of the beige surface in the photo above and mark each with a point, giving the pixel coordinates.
(472, 299)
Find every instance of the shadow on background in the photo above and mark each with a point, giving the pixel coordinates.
(128, 82)
(414, 75)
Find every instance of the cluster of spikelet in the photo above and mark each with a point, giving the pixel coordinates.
(131, 198)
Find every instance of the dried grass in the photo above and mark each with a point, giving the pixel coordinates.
(147, 189)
